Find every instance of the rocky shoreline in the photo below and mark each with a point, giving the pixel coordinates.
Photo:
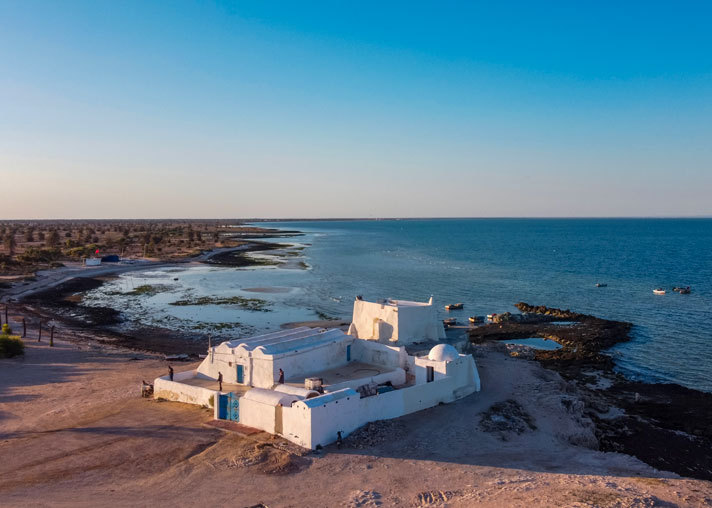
(238, 258)
(668, 426)
(62, 306)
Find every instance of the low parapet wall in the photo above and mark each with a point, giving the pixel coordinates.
(164, 388)
(395, 377)
(309, 425)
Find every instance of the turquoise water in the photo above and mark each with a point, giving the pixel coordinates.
(490, 264)
(536, 343)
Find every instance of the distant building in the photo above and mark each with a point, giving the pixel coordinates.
(396, 321)
(92, 261)
(111, 258)
(334, 382)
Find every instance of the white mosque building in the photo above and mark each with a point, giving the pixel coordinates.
(333, 382)
(396, 322)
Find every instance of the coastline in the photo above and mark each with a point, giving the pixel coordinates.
(54, 297)
(92, 436)
(666, 425)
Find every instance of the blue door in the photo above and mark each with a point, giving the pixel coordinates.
(222, 406)
(240, 374)
(348, 353)
(233, 407)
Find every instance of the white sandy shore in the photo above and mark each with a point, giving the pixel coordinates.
(73, 431)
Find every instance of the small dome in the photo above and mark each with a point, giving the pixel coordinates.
(443, 353)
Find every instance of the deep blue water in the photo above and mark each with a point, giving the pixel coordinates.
(490, 264)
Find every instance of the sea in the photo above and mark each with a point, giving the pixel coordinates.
(487, 264)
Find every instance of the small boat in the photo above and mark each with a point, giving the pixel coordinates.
(658, 291)
(454, 306)
(473, 319)
(601, 285)
(490, 317)
(683, 291)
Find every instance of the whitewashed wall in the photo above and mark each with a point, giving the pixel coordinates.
(257, 415)
(319, 425)
(405, 324)
(396, 377)
(328, 356)
(164, 388)
(365, 314)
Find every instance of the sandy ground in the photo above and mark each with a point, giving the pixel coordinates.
(75, 432)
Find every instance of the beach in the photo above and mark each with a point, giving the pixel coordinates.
(76, 432)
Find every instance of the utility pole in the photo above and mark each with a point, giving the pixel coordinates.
(51, 336)
(39, 338)
(24, 328)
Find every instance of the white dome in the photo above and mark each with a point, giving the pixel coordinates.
(443, 353)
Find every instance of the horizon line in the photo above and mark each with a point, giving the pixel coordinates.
(314, 219)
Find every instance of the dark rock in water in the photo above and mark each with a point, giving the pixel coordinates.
(65, 300)
(665, 425)
(237, 257)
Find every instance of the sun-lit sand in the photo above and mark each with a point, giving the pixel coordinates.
(74, 431)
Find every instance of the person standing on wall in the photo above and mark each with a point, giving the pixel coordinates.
(170, 372)
(220, 378)
(281, 377)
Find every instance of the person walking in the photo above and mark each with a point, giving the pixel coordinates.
(170, 372)
(220, 378)
(281, 377)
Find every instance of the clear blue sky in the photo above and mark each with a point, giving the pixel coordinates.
(343, 109)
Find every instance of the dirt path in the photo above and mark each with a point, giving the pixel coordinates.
(74, 432)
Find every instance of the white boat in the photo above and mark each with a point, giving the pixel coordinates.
(659, 291)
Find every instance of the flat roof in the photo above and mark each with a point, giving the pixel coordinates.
(349, 372)
(288, 341)
(400, 303)
(330, 397)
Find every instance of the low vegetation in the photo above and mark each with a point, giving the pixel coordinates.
(10, 345)
(147, 290)
(27, 246)
(254, 304)
(216, 327)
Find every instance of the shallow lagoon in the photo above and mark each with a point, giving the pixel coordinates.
(279, 289)
(536, 343)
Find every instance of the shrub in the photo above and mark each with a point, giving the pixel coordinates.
(35, 255)
(11, 345)
(6, 330)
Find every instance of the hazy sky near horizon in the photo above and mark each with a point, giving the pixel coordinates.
(355, 109)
